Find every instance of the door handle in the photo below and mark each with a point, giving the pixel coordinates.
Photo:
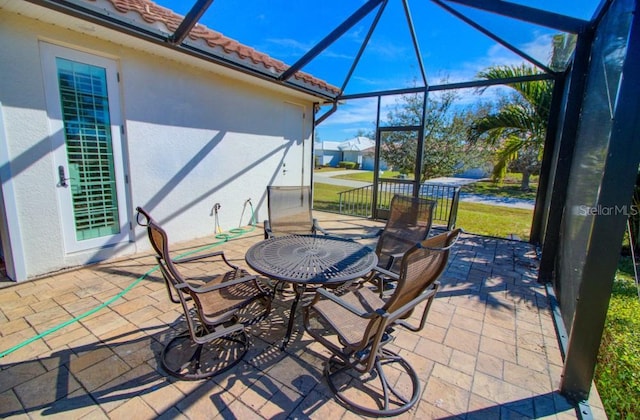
(62, 179)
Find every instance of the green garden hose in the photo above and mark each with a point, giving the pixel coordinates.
(224, 237)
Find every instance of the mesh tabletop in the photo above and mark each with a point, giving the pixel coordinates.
(311, 259)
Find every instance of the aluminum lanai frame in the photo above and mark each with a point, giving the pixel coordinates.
(569, 88)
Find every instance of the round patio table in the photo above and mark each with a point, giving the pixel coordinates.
(310, 260)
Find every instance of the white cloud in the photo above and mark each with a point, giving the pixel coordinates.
(539, 48)
(281, 47)
(332, 54)
(381, 83)
(354, 112)
(387, 50)
(361, 115)
(290, 44)
(350, 118)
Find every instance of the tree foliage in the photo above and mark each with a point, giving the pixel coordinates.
(518, 128)
(446, 148)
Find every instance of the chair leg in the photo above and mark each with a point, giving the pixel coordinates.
(299, 290)
(187, 360)
(386, 399)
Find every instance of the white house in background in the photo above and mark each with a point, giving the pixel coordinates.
(352, 149)
(358, 149)
(327, 153)
(361, 150)
(96, 121)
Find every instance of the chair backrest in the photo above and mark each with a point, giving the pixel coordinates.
(409, 222)
(421, 266)
(178, 288)
(160, 243)
(290, 210)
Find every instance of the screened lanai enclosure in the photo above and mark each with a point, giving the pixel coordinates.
(370, 53)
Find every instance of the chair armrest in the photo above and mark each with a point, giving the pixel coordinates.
(393, 258)
(426, 295)
(352, 237)
(196, 257)
(411, 304)
(223, 285)
(387, 273)
(204, 256)
(458, 232)
(379, 274)
(344, 304)
(356, 237)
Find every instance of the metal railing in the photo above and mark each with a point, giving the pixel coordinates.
(359, 201)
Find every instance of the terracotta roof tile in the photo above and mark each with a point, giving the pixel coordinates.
(153, 13)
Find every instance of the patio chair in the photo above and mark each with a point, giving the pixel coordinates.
(217, 308)
(409, 222)
(356, 326)
(290, 212)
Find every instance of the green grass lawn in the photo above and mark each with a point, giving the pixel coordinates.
(617, 375)
(510, 187)
(325, 196)
(483, 219)
(475, 218)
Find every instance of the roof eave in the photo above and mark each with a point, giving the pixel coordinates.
(154, 35)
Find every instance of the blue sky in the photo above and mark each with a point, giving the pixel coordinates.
(451, 49)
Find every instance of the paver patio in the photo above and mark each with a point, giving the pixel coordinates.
(489, 349)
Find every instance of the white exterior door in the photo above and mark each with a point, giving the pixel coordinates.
(293, 162)
(85, 119)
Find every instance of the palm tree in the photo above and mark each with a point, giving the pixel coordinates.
(518, 127)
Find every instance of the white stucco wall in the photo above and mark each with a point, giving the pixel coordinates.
(193, 138)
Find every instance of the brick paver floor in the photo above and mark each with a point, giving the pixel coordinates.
(489, 349)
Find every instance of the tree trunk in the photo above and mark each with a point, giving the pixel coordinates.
(524, 186)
